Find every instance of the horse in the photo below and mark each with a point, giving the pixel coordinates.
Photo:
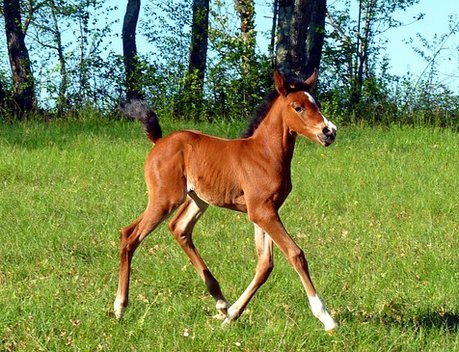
(187, 171)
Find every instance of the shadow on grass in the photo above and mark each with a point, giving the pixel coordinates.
(438, 320)
(396, 314)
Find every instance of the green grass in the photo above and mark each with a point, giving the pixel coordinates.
(377, 215)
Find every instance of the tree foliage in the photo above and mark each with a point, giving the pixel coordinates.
(69, 45)
(75, 61)
(353, 51)
(358, 78)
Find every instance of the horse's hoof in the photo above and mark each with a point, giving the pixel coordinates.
(331, 328)
(118, 310)
(219, 316)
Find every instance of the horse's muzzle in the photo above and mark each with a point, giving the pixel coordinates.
(328, 136)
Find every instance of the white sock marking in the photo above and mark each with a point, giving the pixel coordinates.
(320, 311)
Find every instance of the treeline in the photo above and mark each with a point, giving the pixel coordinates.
(206, 62)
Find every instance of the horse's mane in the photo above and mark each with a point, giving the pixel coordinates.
(292, 83)
(260, 113)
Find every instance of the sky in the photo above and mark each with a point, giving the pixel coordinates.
(403, 59)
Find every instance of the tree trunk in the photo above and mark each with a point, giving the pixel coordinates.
(199, 37)
(300, 36)
(194, 81)
(272, 45)
(2, 97)
(249, 72)
(315, 36)
(285, 16)
(83, 19)
(131, 62)
(246, 12)
(23, 97)
(62, 99)
(361, 58)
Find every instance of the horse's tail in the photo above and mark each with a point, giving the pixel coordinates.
(139, 109)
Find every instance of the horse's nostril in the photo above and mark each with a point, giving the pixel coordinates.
(326, 131)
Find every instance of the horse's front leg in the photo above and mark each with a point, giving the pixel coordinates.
(268, 219)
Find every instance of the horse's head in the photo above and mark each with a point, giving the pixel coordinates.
(301, 111)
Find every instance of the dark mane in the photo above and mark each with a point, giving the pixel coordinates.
(293, 84)
(260, 113)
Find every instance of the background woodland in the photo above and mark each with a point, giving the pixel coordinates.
(209, 62)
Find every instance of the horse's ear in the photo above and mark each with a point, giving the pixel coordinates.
(279, 83)
(311, 81)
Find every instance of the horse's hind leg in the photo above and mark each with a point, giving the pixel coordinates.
(131, 237)
(181, 227)
(264, 246)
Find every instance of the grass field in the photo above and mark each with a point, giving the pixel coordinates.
(377, 215)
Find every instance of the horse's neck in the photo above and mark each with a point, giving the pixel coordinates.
(275, 137)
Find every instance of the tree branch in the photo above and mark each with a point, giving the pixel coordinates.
(345, 39)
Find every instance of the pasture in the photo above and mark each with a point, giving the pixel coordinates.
(377, 215)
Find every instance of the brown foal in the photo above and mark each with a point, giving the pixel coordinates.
(189, 170)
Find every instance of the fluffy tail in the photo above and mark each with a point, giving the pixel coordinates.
(139, 109)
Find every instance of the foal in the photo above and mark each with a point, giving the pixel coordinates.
(189, 170)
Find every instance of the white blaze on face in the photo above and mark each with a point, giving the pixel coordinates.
(331, 126)
(311, 99)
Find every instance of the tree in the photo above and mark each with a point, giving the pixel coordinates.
(44, 21)
(89, 68)
(2, 96)
(237, 76)
(131, 62)
(429, 51)
(315, 35)
(353, 47)
(71, 68)
(249, 66)
(62, 99)
(246, 11)
(194, 80)
(300, 30)
(23, 96)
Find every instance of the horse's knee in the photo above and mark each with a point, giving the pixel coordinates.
(123, 234)
(264, 269)
(126, 231)
(173, 227)
(269, 266)
(180, 234)
(176, 230)
(129, 239)
(261, 216)
(297, 259)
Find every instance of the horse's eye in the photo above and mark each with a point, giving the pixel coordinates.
(299, 109)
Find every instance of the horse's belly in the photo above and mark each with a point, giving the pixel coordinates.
(219, 194)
